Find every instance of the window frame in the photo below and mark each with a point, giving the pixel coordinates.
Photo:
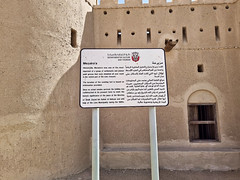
(192, 121)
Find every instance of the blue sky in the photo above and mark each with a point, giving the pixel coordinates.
(122, 1)
(119, 1)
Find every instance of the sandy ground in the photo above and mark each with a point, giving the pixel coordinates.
(164, 175)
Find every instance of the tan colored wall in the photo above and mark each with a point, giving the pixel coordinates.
(220, 60)
(43, 132)
(129, 127)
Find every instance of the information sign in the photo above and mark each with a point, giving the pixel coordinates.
(123, 78)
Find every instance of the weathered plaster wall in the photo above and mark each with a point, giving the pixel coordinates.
(43, 132)
(219, 58)
(128, 128)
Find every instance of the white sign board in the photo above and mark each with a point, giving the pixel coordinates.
(123, 78)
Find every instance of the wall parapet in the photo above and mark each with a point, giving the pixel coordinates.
(138, 3)
(196, 27)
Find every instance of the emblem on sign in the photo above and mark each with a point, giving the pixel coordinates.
(135, 56)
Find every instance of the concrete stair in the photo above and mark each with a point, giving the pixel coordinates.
(172, 158)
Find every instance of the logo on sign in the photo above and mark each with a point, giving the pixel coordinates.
(135, 56)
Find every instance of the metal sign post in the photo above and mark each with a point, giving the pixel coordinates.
(153, 142)
(95, 145)
(123, 78)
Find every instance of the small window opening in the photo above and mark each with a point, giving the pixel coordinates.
(227, 7)
(106, 34)
(74, 38)
(229, 29)
(105, 12)
(132, 33)
(119, 37)
(148, 35)
(202, 122)
(128, 12)
(184, 34)
(145, 1)
(192, 9)
(201, 29)
(174, 31)
(200, 68)
(214, 8)
(217, 33)
(170, 10)
(152, 11)
(159, 32)
(121, 1)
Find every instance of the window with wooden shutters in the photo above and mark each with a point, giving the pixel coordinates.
(202, 122)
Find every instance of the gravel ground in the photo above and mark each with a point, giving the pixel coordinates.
(164, 175)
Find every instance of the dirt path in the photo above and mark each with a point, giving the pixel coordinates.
(164, 175)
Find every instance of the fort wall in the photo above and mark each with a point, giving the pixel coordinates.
(44, 133)
(208, 36)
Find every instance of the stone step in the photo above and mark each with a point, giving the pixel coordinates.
(172, 158)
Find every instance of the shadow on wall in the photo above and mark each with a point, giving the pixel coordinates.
(68, 127)
(88, 32)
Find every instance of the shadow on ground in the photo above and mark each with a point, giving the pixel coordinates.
(164, 175)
